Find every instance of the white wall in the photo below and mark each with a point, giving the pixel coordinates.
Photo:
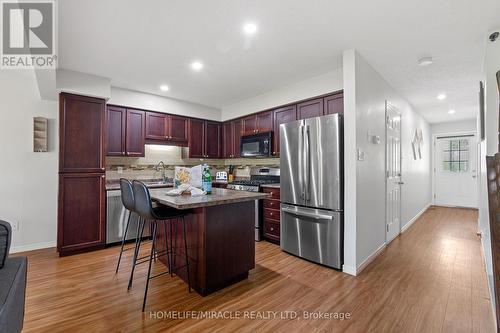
(490, 67)
(151, 102)
(469, 125)
(489, 147)
(82, 84)
(29, 180)
(318, 85)
(367, 102)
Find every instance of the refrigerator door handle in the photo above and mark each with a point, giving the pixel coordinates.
(302, 181)
(306, 214)
(307, 168)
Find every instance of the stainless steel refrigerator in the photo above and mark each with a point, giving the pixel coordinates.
(311, 164)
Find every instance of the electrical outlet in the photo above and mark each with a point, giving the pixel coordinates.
(14, 225)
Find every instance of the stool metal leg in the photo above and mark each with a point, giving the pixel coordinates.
(186, 253)
(166, 244)
(149, 268)
(136, 253)
(171, 248)
(123, 242)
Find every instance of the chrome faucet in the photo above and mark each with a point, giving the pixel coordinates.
(163, 170)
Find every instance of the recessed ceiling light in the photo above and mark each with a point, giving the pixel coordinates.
(197, 66)
(451, 111)
(425, 61)
(164, 87)
(441, 96)
(250, 28)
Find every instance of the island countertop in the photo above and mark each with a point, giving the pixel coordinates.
(219, 196)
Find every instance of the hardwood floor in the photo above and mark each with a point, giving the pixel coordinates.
(430, 279)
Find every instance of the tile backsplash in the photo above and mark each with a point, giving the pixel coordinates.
(143, 167)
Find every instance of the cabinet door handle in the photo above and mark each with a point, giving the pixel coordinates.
(272, 229)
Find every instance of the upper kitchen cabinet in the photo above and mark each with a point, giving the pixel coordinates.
(135, 133)
(281, 116)
(334, 104)
(231, 138)
(156, 126)
(204, 139)
(116, 120)
(178, 129)
(212, 139)
(81, 134)
(309, 109)
(125, 131)
(258, 123)
(196, 138)
(166, 128)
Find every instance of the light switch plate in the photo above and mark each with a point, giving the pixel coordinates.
(361, 155)
(14, 225)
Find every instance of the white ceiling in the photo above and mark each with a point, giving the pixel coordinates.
(143, 44)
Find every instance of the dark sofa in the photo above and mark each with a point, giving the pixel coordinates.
(12, 284)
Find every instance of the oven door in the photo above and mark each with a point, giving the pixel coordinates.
(256, 145)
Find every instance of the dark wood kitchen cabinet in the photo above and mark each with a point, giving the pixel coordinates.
(258, 123)
(81, 134)
(282, 116)
(271, 214)
(212, 139)
(135, 133)
(81, 198)
(204, 139)
(81, 212)
(116, 120)
(156, 126)
(311, 108)
(231, 139)
(334, 104)
(125, 132)
(166, 129)
(178, 129)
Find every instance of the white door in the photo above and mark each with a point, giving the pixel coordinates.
(393, 172)
(455, 171)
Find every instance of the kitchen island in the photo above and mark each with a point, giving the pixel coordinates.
(220, 235)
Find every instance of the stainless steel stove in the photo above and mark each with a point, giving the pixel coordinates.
(258, 177)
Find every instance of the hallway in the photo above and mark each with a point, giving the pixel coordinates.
(430, 279)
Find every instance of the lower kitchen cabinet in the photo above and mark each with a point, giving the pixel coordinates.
(81, 213)
(271, 215)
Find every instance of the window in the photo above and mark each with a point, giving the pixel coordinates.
(456, 155)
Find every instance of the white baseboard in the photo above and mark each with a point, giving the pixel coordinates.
(31, 247)
(370, 258)
(407, 225)
(349, 270)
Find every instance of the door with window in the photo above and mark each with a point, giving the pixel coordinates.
(455, 171)
(393, 173)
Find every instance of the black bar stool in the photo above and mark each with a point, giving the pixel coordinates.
(145, 209)
(127, 194)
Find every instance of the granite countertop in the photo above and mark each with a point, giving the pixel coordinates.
(277, 185)
(115, 185)
(219, 196)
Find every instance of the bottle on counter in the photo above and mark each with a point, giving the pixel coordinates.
(206, 178)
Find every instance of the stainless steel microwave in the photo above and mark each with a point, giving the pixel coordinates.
(256, 145)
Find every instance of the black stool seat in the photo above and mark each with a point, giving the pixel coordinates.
(162, 212)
